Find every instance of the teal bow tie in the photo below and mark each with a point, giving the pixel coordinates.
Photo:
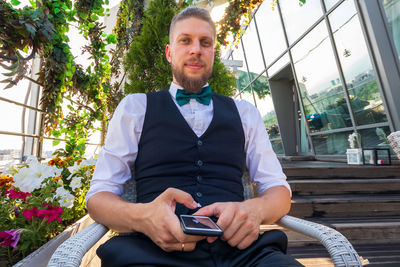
(203, 97)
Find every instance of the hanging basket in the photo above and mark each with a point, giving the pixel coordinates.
(394, 140)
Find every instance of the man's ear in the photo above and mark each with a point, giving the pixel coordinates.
(168, 52)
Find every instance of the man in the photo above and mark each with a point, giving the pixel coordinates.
(184, 154)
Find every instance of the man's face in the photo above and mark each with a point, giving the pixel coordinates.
(191, 53)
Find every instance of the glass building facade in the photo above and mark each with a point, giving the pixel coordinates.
(318, 72)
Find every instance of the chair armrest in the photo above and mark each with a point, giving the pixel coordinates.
(71, 252)
(341, 251)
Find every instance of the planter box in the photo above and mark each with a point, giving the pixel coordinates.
(354, 156)
(42, 255)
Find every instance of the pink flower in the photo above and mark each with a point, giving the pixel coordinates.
(51, 213)
(10, 237)
(15, 194)
(29, 213)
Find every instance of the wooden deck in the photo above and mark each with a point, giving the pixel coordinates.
(373, 256)
(361, 202)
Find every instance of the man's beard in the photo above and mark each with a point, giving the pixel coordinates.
(192, 85)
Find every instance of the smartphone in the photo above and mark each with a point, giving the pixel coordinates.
(199, 225)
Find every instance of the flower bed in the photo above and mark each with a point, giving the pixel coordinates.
(38, 201)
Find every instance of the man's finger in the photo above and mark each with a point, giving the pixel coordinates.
(211, 210)
(180, 197)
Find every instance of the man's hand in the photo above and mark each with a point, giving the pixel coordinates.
(239, 221)
(160, 223)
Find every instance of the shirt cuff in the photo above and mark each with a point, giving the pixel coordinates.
(104, 187)
(264, 187)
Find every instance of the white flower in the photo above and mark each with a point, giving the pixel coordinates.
(88, 173)
(76, 183)
(9, 169)
(66, 198)
(88, 162)
(353, 139)
(75, 168)
(26, 180)
(31, 160)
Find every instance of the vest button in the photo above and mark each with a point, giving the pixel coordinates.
(199, 194)
(199, 178)
(199, 143)
(199, 163)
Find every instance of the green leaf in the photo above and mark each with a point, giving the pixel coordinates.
(111, 39)
(15, 2)
(94, 17)
(91, 25)
(81, 141)
(56, 142)
(57, 10)
(83, 15)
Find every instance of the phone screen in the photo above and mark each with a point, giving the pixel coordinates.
(199, 225)
(199, 222)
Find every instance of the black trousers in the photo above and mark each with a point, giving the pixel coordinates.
(138, 250)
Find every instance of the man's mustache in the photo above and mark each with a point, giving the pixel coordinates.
(195, 61)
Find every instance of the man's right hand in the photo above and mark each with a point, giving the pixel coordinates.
(160, 224)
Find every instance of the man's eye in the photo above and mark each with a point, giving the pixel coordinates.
(206, 43)
(184, 40)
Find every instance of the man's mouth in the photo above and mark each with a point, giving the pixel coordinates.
(194, 65)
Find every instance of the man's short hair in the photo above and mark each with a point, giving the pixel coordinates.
(192, 12)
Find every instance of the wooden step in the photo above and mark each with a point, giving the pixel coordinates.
(345, 186)
(341, 171)
(345, 205)
(376, 256)
(358, 230)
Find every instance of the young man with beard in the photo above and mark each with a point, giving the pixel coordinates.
(185, 148)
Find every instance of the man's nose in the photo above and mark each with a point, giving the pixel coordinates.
(195, 48)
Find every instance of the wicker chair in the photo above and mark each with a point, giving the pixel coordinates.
(71, 252)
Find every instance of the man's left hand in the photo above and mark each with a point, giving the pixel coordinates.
(240, 222)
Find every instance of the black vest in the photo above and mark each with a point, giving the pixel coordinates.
(209, 167)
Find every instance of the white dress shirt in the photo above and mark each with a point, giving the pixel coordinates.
(119, 153)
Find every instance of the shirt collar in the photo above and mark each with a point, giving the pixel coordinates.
(174, 87)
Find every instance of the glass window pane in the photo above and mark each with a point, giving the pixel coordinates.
(243, 78)
(270, 31)
(392, 11)
(277, 146)
(330, 3)
(252, 49)
(298, 18)
(318, 78)
(10, 119)
(10, 149)
(282, 62)
(16, 93)
(92, 150)
(331, 144)
(266, 106)
(247, 95)
(48, 148)
(375, 137)
(357, 68)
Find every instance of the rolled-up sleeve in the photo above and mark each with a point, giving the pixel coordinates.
(116, 159)
(262, 162)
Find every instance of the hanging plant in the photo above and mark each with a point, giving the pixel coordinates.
(41, 30)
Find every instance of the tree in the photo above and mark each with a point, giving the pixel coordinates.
(147, 68)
